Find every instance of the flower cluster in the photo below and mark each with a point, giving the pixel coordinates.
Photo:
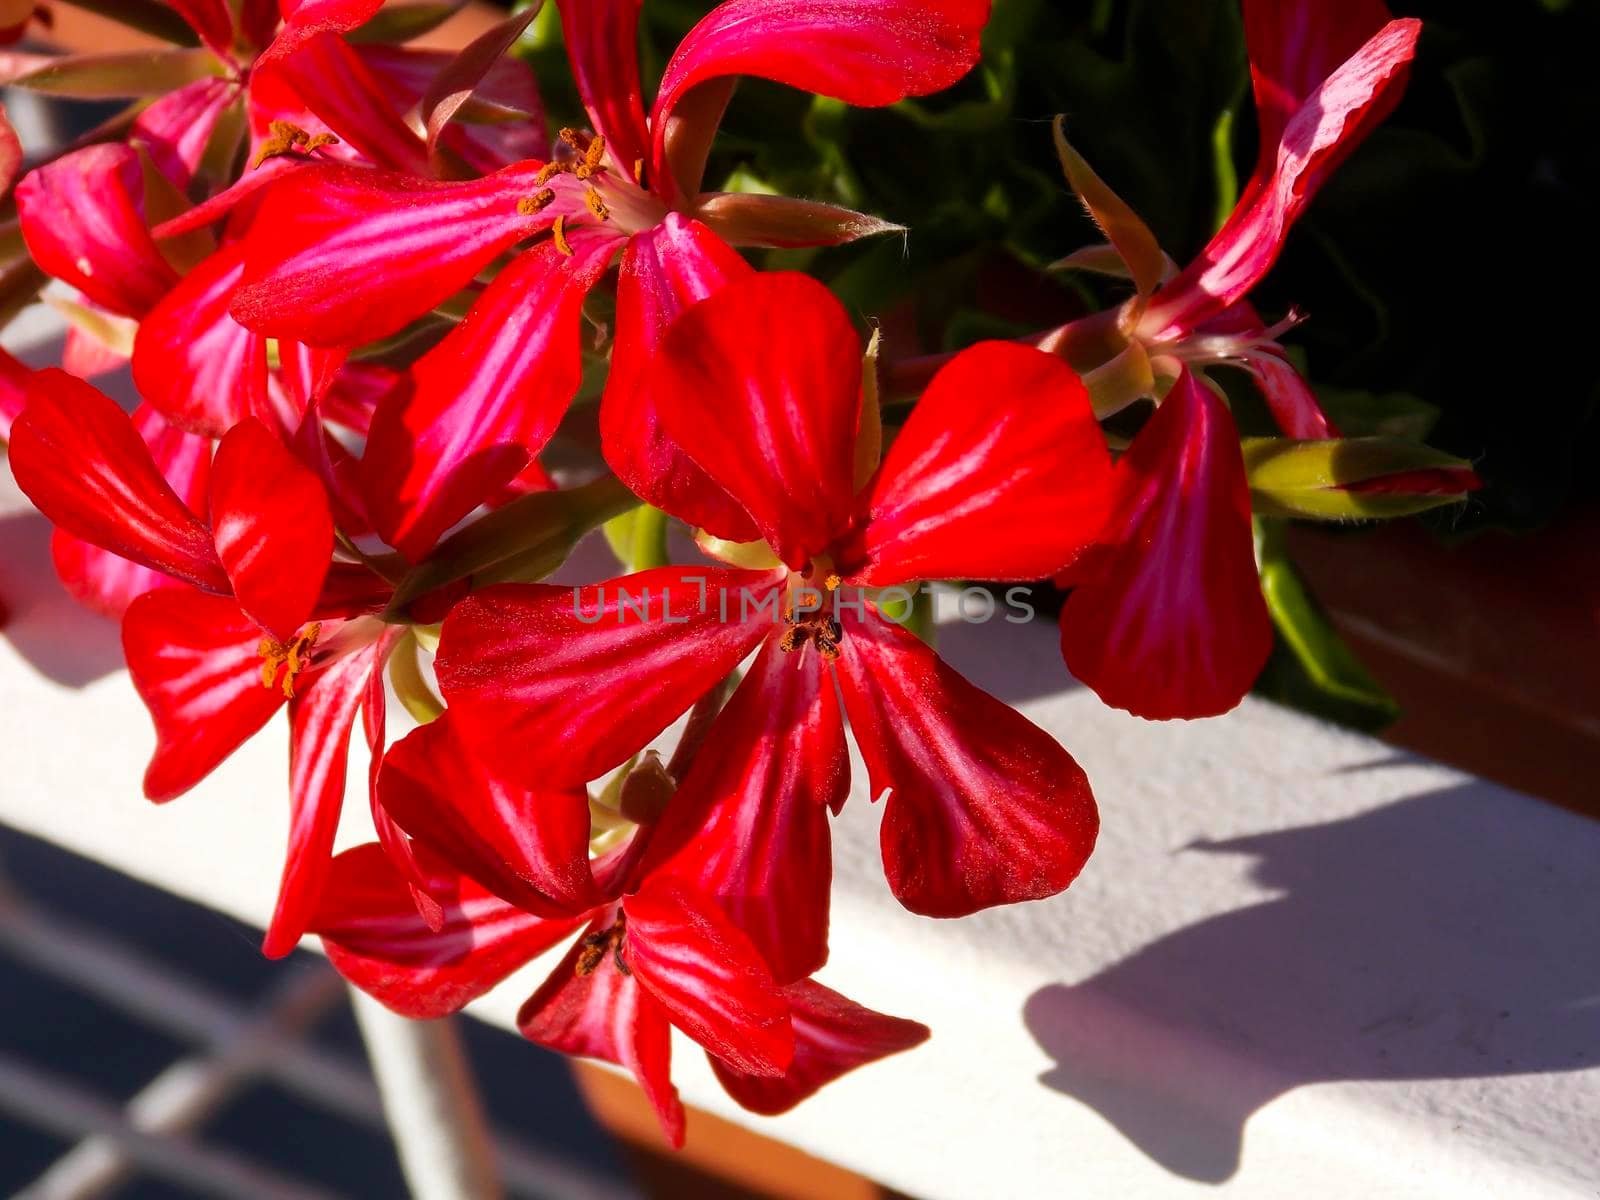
(358, 284)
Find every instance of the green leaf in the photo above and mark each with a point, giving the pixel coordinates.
(126, 75)
(147, 16)
(1328, 679)
(402, 22)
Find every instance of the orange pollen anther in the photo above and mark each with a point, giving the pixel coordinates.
(638, 171)
(593, 949)
(596, 205)
(550, 170)
(815, 628)
(537, 202)
(285, 137)
(288, 657)
(559, 232)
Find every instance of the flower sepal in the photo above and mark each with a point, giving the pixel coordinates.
(1350, 479)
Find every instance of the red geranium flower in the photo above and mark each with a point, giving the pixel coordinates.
(271, 622)
(344, 256)
(1167, 620)
(761, 387)
(510, 869)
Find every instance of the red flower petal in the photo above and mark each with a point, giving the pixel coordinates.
(1294, 405)
(509, 86)
(608, 1015)
(211, 20)
(832, 1036)
(175, 130)
(985, 807)
(321, 716)
(376, 939)
(530, 847)
(198, 366)
(396, 845)
(1294, 47)
(107, 582)
(339, 255)
(1322, 133)
(1171, 623)
(558, 685)
(664, 271)
(195, 662)
(80, 460)
(487, 398)
(709, 977)
(602, 40)
(273, 528)
(334, 82)
(83, 220)
(85, 356)
(761, 386)
(306, 19)
(749, 826)
(14, 378)
(1011, 489)
(864, 52)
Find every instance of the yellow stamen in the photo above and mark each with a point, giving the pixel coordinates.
(596, 205)
(549, 171)
(832, 583)
(538, 202)
(594, 158)
(285, 137)
(289, 657)
(638, 171)
(559, 232)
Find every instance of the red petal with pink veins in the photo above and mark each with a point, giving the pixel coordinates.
(335, 83)
(306, 19)
(175, 129)
(198, 366)
(1294, 47)
(376, 939)
(195, 662)
(664, 271)
(761, 386)
(81, 461)
(864, 52)
(749, 826)
(608, 1015)
(83, 220)
(107, 582)
(558, 685)
(339, 255)
(321, 717)
(273, 528)
(509, 84)
(486, 400)
(709, 977)
(985, 807)
(529, 847)
(832, 1036)
(602, 40)
(1322, 133)
(211, 20)
(1170, 622)
(1294, 405)
(1011, 489)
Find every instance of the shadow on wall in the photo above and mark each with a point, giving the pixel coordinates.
(1450, 935)
(62, 640)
